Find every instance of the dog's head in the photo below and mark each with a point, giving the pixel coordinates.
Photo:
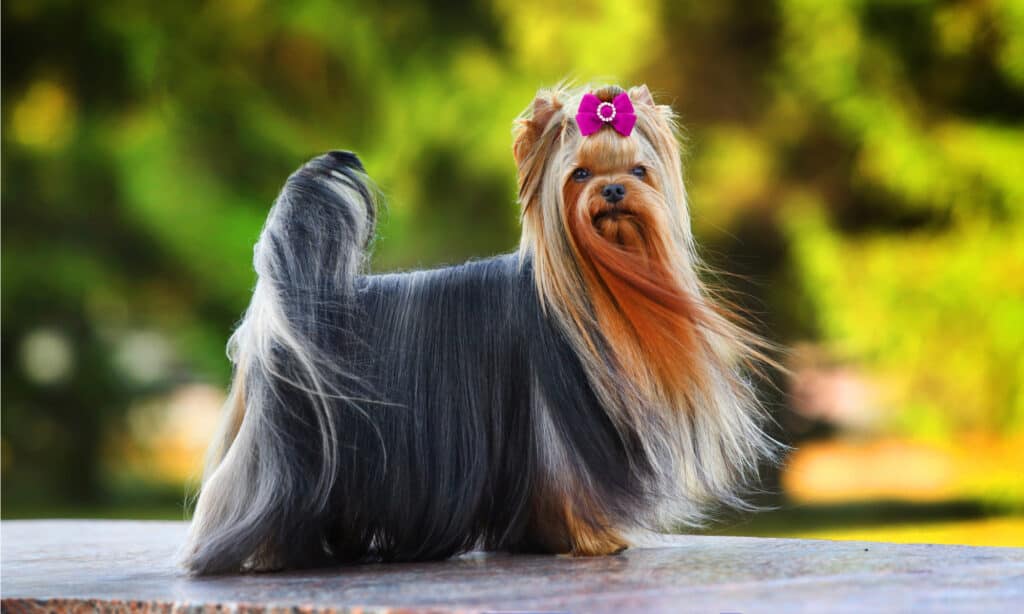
(607, 229)
(622, 179)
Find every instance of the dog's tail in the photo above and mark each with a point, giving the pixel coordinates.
(271, 468)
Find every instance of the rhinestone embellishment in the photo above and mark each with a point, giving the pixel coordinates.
(606, 111)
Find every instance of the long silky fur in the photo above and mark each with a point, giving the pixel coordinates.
(703, 433)
(417, 415)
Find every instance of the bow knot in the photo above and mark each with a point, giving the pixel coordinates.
(593, 113)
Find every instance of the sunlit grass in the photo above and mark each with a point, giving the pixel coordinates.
(966, 522)
(1005, 531)
(889, 489)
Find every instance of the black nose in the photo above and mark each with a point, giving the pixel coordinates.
(346, 159)
(614, 192)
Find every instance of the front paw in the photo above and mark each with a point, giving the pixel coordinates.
(597, 543)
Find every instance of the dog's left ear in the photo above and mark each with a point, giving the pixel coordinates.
(640, 94)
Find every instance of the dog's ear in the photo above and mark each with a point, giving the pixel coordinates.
(640, 94)
(530, 130)
(534, 137)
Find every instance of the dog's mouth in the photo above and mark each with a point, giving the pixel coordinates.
(613, 214)
(619, 225)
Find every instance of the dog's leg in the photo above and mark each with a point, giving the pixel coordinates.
(589, 538)
(557, 527)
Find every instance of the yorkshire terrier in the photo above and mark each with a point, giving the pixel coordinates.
(563, 398)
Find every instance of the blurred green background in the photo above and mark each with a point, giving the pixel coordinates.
(859, 164)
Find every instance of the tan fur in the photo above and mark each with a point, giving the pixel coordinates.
(627, 283)
(231, 422)
(572, 524)
(589, 538)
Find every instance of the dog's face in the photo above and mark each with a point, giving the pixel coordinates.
(616, 190)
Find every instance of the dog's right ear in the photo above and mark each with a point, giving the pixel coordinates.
(530, 130)
(533, 136)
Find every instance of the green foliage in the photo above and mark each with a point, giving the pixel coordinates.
(927, 293)
(858, 161)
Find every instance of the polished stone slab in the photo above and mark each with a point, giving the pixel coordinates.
(128, 566)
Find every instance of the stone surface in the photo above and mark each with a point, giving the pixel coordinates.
(129, 566)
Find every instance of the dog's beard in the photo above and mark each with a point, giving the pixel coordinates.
(625, 255)
(621, 226)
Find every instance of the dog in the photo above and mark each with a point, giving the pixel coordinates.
(564, 398)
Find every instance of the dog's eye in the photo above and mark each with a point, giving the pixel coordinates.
(580, 174)
(639, 172)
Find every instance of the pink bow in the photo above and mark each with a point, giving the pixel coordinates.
(593, 114)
